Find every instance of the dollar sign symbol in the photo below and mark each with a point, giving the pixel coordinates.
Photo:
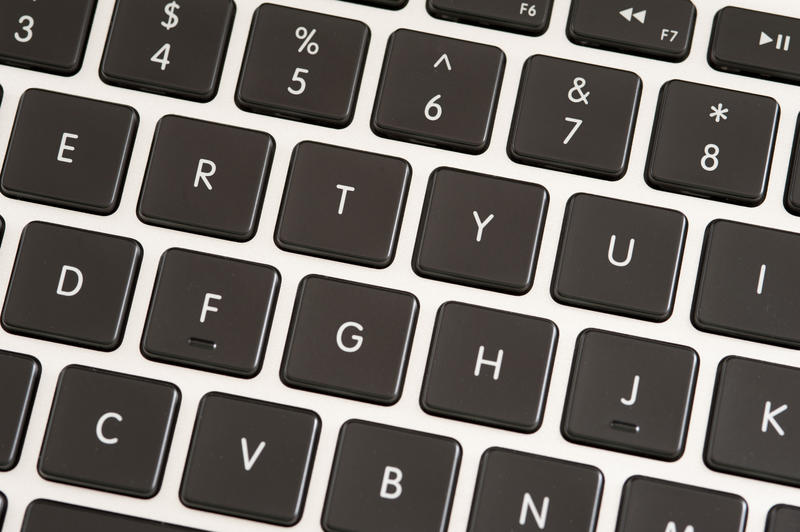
(169, 9)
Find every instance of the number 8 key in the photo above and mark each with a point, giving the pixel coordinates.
(711, 142)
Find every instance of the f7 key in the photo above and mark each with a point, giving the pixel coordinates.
(661, 29)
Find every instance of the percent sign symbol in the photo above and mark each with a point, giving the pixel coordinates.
(307, 45)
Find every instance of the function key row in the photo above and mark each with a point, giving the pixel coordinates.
(53, 38)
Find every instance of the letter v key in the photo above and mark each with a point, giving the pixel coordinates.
(249, 461)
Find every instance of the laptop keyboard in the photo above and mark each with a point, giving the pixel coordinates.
(399, 265)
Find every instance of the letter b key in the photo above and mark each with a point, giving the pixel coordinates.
(407, 479)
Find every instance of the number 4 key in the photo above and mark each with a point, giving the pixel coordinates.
(168, 47)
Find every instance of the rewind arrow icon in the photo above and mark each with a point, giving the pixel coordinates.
(629, 15)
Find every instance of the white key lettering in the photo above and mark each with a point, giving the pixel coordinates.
(205, 169)
(770, 416)
(101, 423)
(250, 460)
(66, 147)
(628, 258)
(358, 339)
(345, 189)
(481, 224)
(634, 393)
(391, 486)
(60, 290)
(207, 307)
(529, 507)
(496, 364)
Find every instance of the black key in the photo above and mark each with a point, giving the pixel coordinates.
(754, 43)
(343, 204)
(50, 516)
(792, 199)
(575, 117)
(520, 491)
(630, 394)
(713, 143)
(651, 504)
(633, 252)
(529, 18)
(303, 65)
(168, 47)
(389, 4)
(438, 91)
(480, 230)
(746, 285)
(3, 504)
(755, 428)
(250, 459)
(72, 286)
(653, 28)
(349, 339)
(109, 431)
(390, 479)
(783, 518)
(69, 151)
(211, 312)
(19, 379)
(489, 366)
(48, 36)
(206, 178)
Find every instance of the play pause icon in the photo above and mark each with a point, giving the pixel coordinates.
(782, 41)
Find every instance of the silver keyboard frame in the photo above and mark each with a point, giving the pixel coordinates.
(23, 484)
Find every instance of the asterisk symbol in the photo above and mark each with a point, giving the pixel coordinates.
(720, 112)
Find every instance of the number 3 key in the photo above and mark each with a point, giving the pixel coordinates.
(48, 36)
(303, 65)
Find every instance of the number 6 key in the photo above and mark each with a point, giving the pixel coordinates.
(438, 91)
(711, 142)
